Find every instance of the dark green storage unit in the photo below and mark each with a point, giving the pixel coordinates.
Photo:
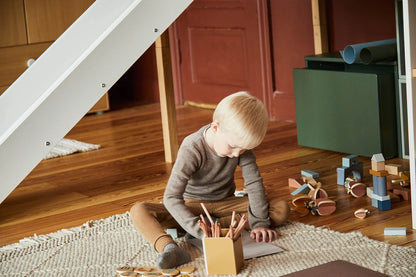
(346, 108)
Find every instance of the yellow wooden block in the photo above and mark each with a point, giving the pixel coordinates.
(380, 173)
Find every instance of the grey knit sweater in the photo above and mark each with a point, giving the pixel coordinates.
(200, 174)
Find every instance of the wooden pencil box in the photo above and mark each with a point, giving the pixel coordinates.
(223, 255)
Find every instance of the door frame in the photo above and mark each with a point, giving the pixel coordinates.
(409, 24)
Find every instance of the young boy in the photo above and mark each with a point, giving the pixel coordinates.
(204, 172)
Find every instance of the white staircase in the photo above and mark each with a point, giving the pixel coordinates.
(54, 93)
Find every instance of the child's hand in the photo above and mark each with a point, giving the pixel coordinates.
(262, 234)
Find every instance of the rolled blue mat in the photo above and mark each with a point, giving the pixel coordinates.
(351, 53)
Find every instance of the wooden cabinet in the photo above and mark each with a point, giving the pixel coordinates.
(47, 20)
(12, 22)
(28, 28)
(346, 108)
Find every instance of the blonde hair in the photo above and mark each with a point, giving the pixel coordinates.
(243, 116)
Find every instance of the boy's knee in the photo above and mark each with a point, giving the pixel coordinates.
(278, 211)
(137, 210)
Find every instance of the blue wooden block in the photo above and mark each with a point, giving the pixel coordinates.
(343, 172)
(380, 185)
(384, 205)
(304, 189)
(341, 175)
(309, 173)
(349, 161)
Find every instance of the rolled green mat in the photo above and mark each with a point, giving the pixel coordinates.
(378, 53)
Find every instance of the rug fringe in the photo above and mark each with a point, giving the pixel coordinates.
(56, 237)
(70, 146)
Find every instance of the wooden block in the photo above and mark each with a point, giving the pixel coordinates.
(380, 198)
(379, 173)
(144, 269)
(358, 189)
(304, 189)
(384, 205)
(370, 192)
(186, 269)
(393, 169)
(309, 180)
(128, 274)
(309, 173)
(403, 176)
(152, 274)
(350, 160)
(393, 182)
(170, 272)
(173, 232)
(394, 198)
(389, 185)
(403, 193)
(377, 166)
(125, 269)
(295, 182)
(395, 231)
(361, 213)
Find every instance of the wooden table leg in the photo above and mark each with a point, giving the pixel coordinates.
(167, 97)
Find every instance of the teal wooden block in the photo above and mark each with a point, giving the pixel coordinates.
(374, 202)
(173, 232)
(349, 161)
(304, 189)
(309, 173)
(395, 231)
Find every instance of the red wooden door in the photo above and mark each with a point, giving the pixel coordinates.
(222, 47)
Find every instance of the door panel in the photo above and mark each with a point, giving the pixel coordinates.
(212, 45)
(222, 51)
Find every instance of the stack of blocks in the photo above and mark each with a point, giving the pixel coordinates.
(379, 198)
(350, 164)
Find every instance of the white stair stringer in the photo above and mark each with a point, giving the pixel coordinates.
(56, 91)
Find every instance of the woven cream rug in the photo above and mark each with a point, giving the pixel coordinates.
(70, 146)
(97, 248)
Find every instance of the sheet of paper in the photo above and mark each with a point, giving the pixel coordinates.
(251, 248)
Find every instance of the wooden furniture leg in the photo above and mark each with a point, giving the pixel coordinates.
(167, 97)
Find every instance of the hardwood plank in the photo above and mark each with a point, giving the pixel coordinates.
(68, 191)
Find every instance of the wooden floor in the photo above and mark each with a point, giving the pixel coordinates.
(68, 191)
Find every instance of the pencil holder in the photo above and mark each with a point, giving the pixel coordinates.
(223, 255)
